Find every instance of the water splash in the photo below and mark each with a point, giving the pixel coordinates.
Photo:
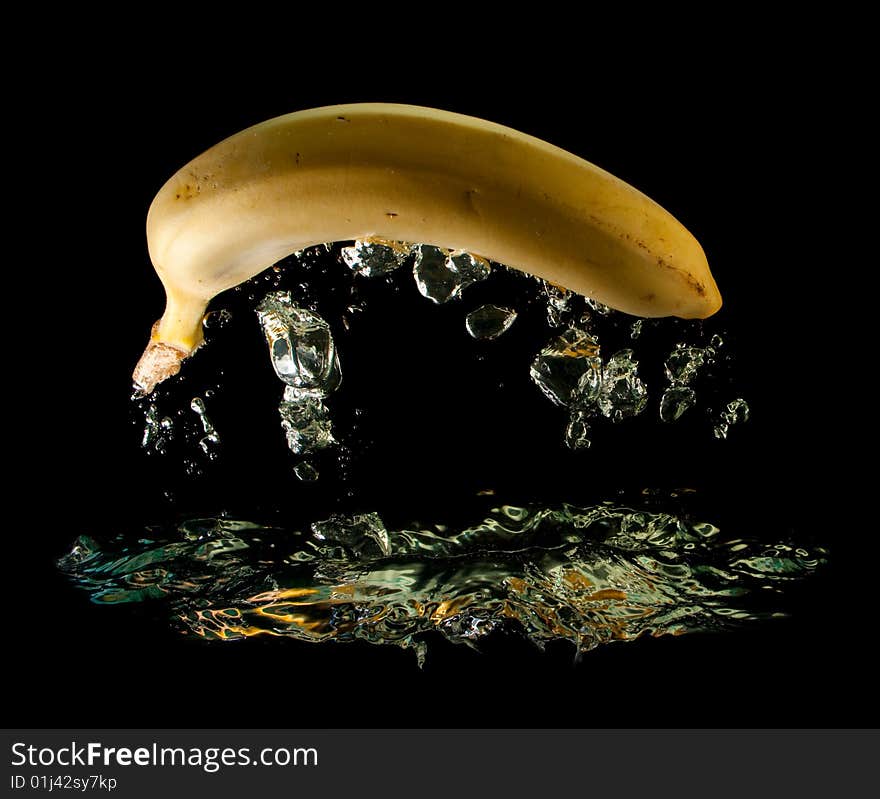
(588, 575)
(158, 432)
(210, 441)
(570, 372)
(321, 293)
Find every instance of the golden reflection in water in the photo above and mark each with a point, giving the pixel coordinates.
(586, 575)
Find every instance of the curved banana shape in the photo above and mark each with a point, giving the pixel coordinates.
(414, 174)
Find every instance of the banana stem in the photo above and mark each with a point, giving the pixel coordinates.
(173, 338)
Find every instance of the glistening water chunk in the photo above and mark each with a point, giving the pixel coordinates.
(562, 364)
(736, 412)
(301, 345)
(442, 275)
(684, 362)
(157, 432)
(589, 575)
(306, 422)
(622, 393)
(306, 472)
(577, 433)
(489, 321)
(303, 356)
(675, 401)
(375, 257)
(558, 302)
(362, 535)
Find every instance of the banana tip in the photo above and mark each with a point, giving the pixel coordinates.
(159, 362)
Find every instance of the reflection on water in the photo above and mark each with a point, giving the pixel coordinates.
(589, 575)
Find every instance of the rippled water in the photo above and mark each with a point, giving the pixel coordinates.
(589, 575)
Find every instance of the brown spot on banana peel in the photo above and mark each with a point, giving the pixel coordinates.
(249, 200)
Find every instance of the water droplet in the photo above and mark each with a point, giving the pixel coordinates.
(577, 433)
(433, 279)
(558, 368)
(489, 321)
(599, 308)
(736, 412)
(306, 422)
(558, 303)
(675, 401)
(151, 426)
(622, 394)
(635, 329)
(305, 472)
(209, 445)
(158, 433)
(351, 313)
(469, 267)
(375, 257)
(441, 276)
(210, 442)
(421, 651)
(301, 345)
(683, 363)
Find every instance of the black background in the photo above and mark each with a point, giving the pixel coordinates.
(717, 135)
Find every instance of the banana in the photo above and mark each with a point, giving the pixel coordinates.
(407, 173)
